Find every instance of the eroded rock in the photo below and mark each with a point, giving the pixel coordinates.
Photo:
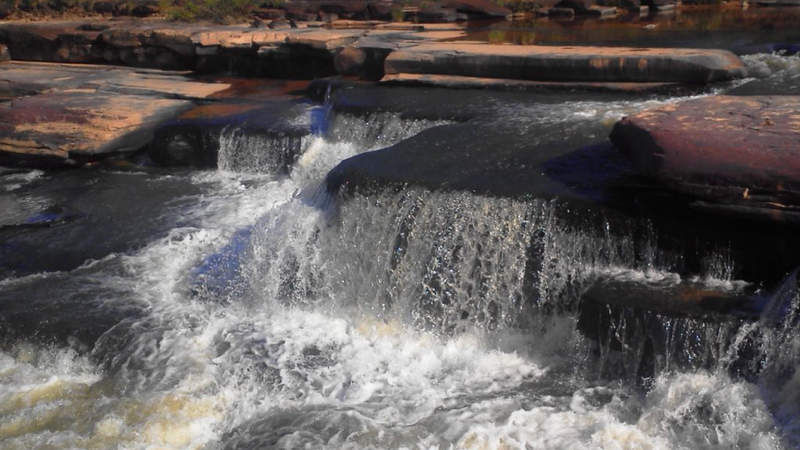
(552, 63)
(84, 113)
(740, 153)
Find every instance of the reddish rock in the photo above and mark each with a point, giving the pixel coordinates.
(742, 151)
(503, 84)
(86, 112)
(568, 63)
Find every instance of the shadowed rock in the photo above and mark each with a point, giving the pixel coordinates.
(480, 8)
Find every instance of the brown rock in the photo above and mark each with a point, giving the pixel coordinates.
(4, 54)
(553, 63)
(503, 84)
(85, 112)
(749, 144)
(365, 62)
(78, 124)
(324, 39)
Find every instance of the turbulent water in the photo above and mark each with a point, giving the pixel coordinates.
(262, 311)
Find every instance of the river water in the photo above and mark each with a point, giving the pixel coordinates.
(239, 308)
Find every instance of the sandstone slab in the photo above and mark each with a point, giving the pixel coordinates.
(60, 128)
(562, 63)
(738, 152)
(71, 114)
(461, 82)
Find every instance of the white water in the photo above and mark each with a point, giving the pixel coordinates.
(334, 340)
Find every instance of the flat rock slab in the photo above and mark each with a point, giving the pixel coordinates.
(82, 113)
(564, 63)
(38, 77)
(461, 82)
(55, 128)
(723, 148)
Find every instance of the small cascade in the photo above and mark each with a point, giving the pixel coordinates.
(445, 261)
(282, 153)
(240, 152)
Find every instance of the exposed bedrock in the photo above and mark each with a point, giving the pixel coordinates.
(733, 154)
(84, 113)
(506, 84)
(551, 63)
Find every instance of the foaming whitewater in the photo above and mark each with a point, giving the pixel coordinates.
(275, 315)
(774, 73)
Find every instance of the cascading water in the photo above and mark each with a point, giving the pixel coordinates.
(271, 313)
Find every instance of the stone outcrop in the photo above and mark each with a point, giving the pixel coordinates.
(552, 63)
(737, 154)
(461, 82)
(400, 51)
(84, 113)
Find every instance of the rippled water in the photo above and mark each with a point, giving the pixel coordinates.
(256, 310)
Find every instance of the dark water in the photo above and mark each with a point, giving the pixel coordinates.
(238, 308)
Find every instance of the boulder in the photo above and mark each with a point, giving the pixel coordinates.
(480, 8)
(554, 63)
(144, 10)
(4, 53)
(742, 153)
(366, 62)
(579, 6)
(438, 14)
(380, 10)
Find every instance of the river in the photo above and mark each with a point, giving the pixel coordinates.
(243, 308)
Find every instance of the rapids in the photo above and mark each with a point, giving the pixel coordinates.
(248, 308)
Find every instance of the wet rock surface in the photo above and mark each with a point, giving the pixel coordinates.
(194, 138)
(734, 153)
